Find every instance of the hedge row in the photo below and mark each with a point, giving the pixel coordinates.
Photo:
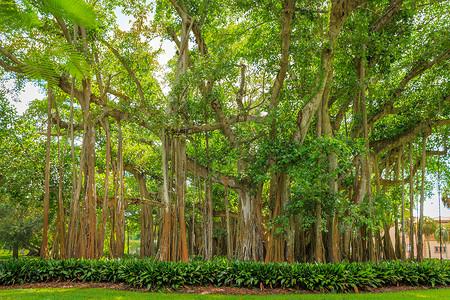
(339, 277)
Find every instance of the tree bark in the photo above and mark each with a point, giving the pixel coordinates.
(74, 204)
(120, 207)
(163, 253)
(403, 206)
(101, 235)
(147, 235)
(228, 221)
(411, 203)
(180, 143)
(422, 200)
(44, 246)
(61, 230)
(250, 240)
(92, 250)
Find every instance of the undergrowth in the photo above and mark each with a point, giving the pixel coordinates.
(338, 277)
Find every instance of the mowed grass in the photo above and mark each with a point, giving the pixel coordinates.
(98, 293)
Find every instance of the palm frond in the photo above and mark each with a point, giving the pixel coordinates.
(78, 11)
(41, 69)
(71, 60)
(14, 16)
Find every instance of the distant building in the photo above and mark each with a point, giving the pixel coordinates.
(434, 245)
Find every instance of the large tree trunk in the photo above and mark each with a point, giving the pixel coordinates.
(147, 245)
(91, 199)
(228, 222)
(403, 206)
(367, 159)
(250, 240)
(389, 253)
(422, 200)
(44, 245)
(164, 247)
(279, 196)
(180, 154)
(102, 230)
(411, 203)
(208, 213)
(74, 207)
(120, 201)
(398, 249)
(60, 227)
(332, 241)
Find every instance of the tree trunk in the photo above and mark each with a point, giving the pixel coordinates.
(60, 223)
(120, 208)
(44, 245)
(227, 213)
(74, 200)
(147, 235)
(180, 149)
(398, 249)
(279, 195)
(422, 200)
(403, 206)
(101, 235)
(163, 253)
(250, 240)
(388, 249)
(208, 207)
(91, 199)
(411, 203)
(15, 253)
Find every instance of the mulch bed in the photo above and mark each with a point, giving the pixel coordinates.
(206, 290)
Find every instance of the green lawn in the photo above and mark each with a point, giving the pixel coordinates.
(97, 293)
(6, 254)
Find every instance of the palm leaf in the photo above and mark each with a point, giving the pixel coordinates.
(78, 11)
(71, 60)
(56, 58)
(14, 16)
(41, 69)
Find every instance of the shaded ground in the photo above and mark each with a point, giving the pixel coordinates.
(207, 290)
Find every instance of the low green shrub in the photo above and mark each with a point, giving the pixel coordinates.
(338, 277)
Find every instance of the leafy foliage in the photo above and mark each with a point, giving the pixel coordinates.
(339, 277)
(18, 226)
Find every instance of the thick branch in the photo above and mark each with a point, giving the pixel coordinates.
(125, 65)
(288, 11)
(217, 107)
(211, 127)
(340, 10)
(406, 136)
(64, 29)
(216, 177)
(7, 67)
(388, 107)
(240, 93)
(390, 12)
(416, 167)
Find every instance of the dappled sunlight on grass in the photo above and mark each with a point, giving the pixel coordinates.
(7, 254)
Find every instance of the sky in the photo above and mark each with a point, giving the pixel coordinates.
(32, 92)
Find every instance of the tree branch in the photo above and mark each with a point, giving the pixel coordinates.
(417, 70)
(406, 136)
(127, 68)
(390, 12)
